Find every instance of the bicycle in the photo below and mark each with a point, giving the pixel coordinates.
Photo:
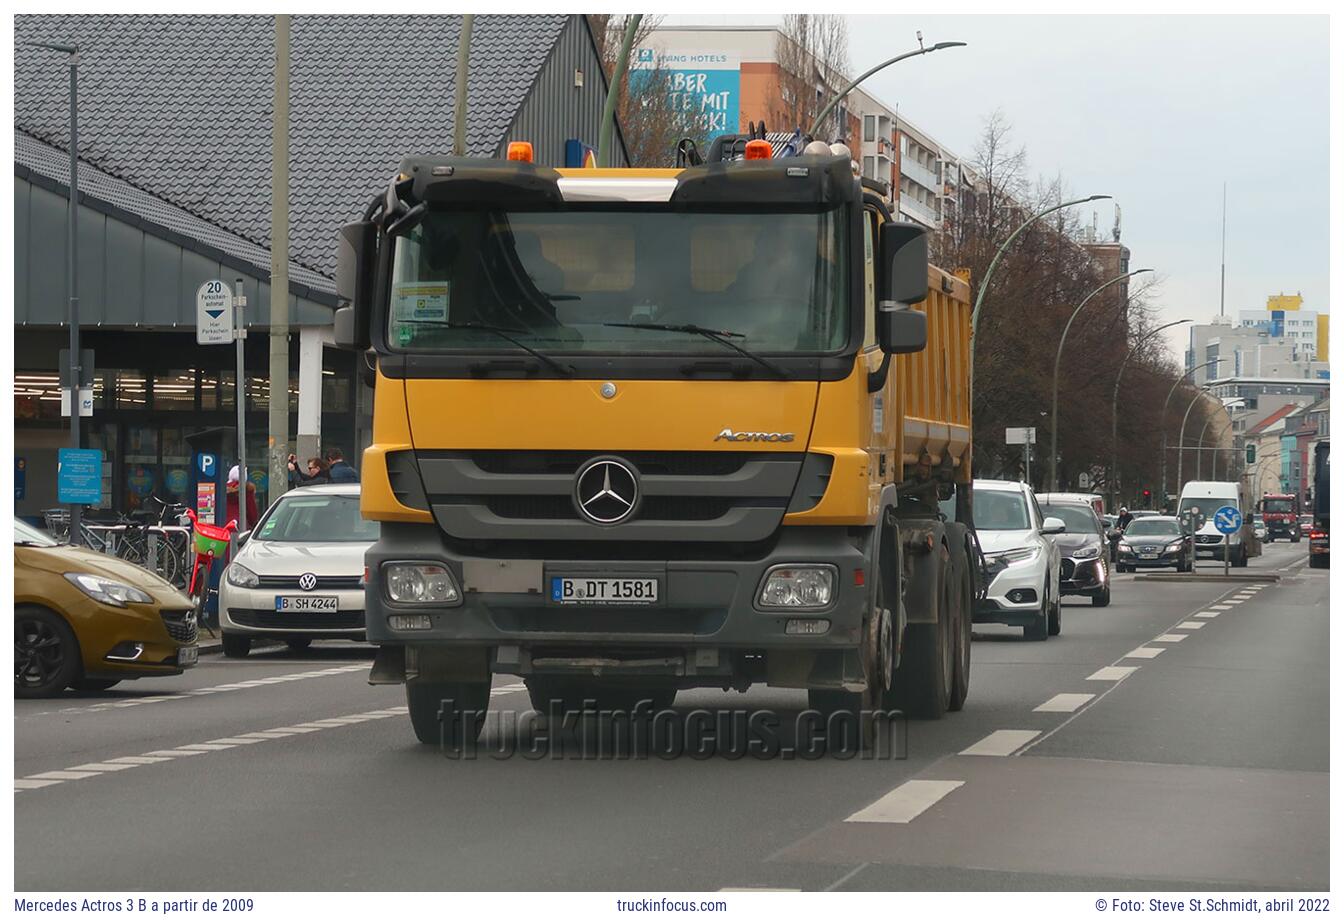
(208, 541)
(170, 560)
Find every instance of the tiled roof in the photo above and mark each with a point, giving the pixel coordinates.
(179, 107)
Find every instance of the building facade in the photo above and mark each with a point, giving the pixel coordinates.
(175, 134)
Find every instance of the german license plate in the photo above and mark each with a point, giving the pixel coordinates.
(306, 602)
(1147, 555)
(187, 656)
(622, 591)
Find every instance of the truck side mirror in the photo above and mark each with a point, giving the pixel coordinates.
(904, 264)
(355, 261)
(901, 329)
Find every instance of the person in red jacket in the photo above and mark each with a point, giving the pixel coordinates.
(231, 500)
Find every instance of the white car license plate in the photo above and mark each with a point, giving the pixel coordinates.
(304, 602)
(604, 590)
(1147, 555)
(187, 656)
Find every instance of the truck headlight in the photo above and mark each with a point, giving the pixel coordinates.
(240, 576)
(795, 587)
(419, 583)
(107, 591)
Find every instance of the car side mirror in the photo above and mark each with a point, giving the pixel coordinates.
(242, 538)
(1051, 526)
(355, 261)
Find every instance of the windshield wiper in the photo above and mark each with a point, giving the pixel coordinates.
(723, 337)
(507, 334)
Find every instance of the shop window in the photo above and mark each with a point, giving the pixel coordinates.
(335, 392)
(141, 464)
(175, 390)
(36, 396)
(131, 390)
(176, 464)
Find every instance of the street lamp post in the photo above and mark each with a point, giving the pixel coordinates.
(994, 263)
(72, 258)
(835, 100)
(606, 150)
(1180, 452)
(1059, 354)
(1170, 393)
(1115, 408)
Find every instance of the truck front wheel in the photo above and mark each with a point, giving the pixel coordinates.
(923, 686)
(450, 715)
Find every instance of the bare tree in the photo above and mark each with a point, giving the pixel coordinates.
(652, 112)
(813, 55)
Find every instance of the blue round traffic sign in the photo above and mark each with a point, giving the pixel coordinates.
(1227, 519)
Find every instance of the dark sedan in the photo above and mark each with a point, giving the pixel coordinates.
(1083, 565)
(1155, 542)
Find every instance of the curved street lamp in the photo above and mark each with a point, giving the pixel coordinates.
(989, 273)
(1170, 393)
(1180, 452)
(835, 100)
(1115, 407)
(1059, 353)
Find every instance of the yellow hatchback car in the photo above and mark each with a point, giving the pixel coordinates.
(88, 620)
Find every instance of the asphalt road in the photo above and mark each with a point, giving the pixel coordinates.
(1178, 739)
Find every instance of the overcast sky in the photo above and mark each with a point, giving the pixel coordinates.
(1157, 111)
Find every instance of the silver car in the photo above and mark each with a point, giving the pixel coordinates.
(299, 575)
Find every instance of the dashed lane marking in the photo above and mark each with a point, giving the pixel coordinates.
(1220, 607)
(207, 691)
(1171, 637)
(1144, 651)
(1189, 624)
(1113, 672)
(1000, 743)
(1209, 614)
(1064, 702)
(117, 764)
(906, 802)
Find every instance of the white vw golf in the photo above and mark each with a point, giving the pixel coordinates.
(299, 575)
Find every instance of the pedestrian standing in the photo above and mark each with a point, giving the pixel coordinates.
(338, 470)
(231, 499)
(317, 472)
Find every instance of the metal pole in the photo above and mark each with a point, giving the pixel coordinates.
(835, 100)
(1027, 449)
(1059, 354)
(240, 336)
(606, 156)
(1115, 409)
(1167, 403)
(72, 276)
(460, 88)
(1180, 453)
(1199, 455)
(279, 365)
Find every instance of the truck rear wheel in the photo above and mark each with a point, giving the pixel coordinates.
(450, 715)
(963, 598)
(923, 684)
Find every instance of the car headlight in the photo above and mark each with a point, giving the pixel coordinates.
(1087, 552)
(240, 576)
(107, 591)
(419, 583)
(797, 587)
(1125, 547)
(1175, 547)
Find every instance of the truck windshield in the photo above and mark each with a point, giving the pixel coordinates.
(1278, 506)
(557, 280)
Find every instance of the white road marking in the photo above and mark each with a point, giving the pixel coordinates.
(1221, 607)
(209, 746)
(1209, 614)
(1144, 651)
(1234, 600)
(760, 889)
(62, 775)
(1170, 637)
(1000, 743)
(1064, 702)
(906, 802)
(1114, 672)
(103, 767)
(136, 761)
(1189, 624)
(21, 784)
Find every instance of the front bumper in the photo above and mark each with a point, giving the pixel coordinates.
(1083, 577)
(705, 620)
(251, 611)
(1215, 550)
(144, 642)
(1014, 596)
(1163, 560)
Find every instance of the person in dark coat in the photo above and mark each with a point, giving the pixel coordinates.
(316, 473)
(339, 470)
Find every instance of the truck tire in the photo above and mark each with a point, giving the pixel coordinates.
(923, 682)
(1318, 561)
(463, 707)
(572, 694)
(963, 600)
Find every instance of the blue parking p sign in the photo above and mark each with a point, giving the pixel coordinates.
(79, 476)
(205, 465)
(1227, 519)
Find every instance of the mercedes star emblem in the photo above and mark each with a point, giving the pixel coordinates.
(606, 491)
(307, 581)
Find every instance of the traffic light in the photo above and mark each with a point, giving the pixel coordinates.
(1250, 453)
(1148, 497)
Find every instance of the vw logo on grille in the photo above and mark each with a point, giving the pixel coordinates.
(307, 581)
(606, 491)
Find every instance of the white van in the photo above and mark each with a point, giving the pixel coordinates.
(1208, 497)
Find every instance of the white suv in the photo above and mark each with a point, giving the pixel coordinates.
(1021, 563)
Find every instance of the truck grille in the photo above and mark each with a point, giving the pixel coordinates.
(181, 624)
(685, 496)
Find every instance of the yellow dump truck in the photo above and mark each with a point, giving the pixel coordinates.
(640, 430)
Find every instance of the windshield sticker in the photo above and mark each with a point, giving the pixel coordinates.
(420, 301)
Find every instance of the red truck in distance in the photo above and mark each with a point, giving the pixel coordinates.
(1280, 513)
